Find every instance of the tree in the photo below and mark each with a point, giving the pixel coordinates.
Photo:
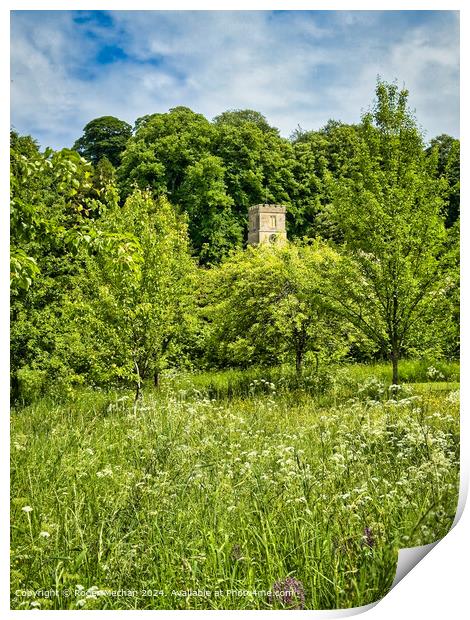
(213, 226)
(330, 150)
(448, 167)
(136, 314)
(54, 225)
(258, 165)
(241, 117)
(163, 147)
(49, 194)
(265, 307)
(396, 258)
(104, 175)
(238, 160)
(105, 136)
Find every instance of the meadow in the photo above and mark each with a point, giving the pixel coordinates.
(232, 490)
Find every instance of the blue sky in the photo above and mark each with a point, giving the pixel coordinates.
(296, 67)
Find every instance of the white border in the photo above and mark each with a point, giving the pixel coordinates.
(437, 586)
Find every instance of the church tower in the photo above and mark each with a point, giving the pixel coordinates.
(266, 223)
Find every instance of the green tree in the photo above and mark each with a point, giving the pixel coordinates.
(105, 136)
(26, 184)
(397, 258)
(266, 307)
(163, 147)
(136, 314)
(317, 154)
(53, 224)
(45, 210)
(104, 175)
(213, 226)
(448, 167)
(49, 194)
(258, 165)
(244, 160)
(237, 118)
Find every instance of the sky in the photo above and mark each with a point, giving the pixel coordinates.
(295, 67)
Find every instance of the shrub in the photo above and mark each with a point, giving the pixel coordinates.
(31, 383)
(371, 389)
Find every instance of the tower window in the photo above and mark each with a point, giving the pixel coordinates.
(272, 221)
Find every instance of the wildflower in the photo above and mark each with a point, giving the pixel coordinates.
(368, 538)
(290, 592)
(94, 592)
(106, 472)
(434, 374)
(27, 509)
(453, 397)
(44, 534)
(237, 553)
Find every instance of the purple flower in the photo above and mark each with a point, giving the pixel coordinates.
(290, 592)
(237, 553)
(368, 538)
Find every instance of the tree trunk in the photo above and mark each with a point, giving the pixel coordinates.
(298, 361)
(138, 386)
(136, 397)
(395, 342)
(156, 378)
(394, 367)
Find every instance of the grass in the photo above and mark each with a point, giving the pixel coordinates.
(224, 484)
(343, 380)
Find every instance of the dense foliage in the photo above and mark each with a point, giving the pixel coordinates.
(399, 261)
(127, 253)
(267, 307)
(104, 137)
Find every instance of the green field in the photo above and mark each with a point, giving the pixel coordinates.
(206, 499)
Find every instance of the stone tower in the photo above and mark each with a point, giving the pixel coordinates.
(266, 223)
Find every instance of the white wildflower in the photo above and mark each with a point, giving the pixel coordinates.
(106, 472)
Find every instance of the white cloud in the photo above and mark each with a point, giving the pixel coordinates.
(295, 68)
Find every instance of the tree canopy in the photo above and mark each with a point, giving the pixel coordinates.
(106, 136)
(397, 256)
(267, 307)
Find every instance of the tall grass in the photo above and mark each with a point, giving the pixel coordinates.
(201, 502)
(343, 380)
